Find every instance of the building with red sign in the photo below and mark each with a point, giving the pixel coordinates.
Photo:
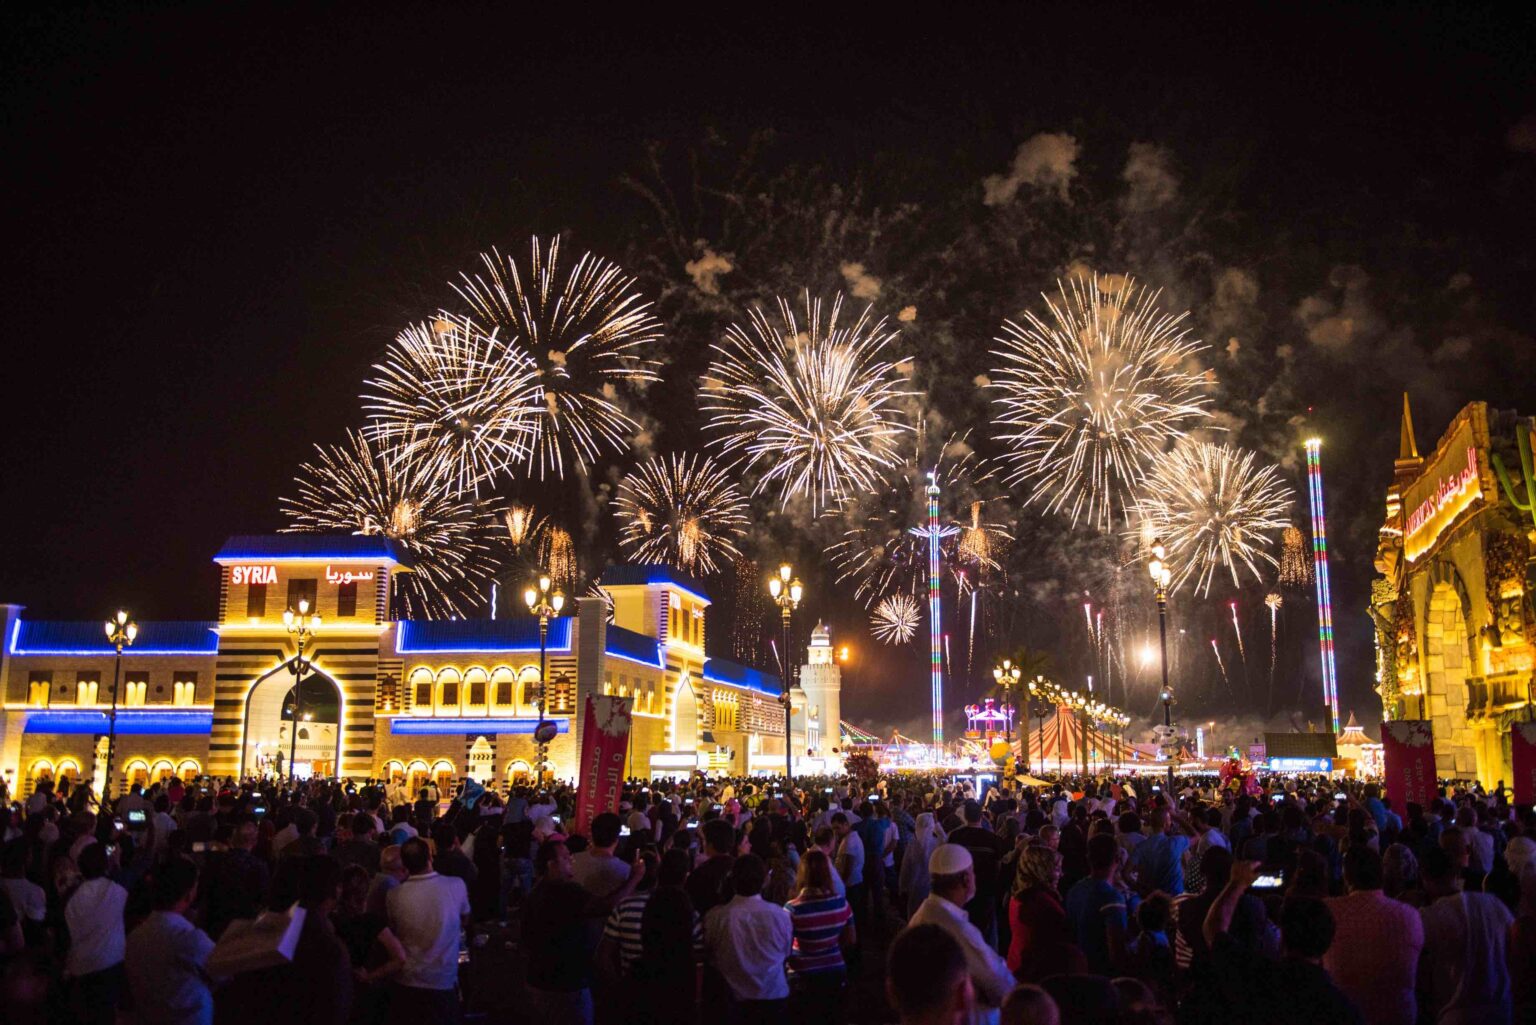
(1454, 630)
(411, 700)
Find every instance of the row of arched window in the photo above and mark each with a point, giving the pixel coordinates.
(417, 773)
(500, 691)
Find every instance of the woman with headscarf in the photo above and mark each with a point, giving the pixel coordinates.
(1039, 947)
(914, 881)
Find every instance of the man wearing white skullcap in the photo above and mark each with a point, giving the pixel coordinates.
(953, 879)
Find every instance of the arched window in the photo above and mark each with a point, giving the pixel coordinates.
(41, 769)
(162, 770)
(519, 771)
(417, 776)
(421, 691)
(503, 691)
(392, 771)
(189, 770)
(448, 692)
(528, 690)
(475, 685)
(137, 771)
(68, 769)
(444, 774)
(87, 689)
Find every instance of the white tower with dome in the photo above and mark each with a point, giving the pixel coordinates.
(822, 681)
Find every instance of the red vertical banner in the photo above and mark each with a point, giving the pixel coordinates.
(604, 744)
(1522, 748)
(1408, 754)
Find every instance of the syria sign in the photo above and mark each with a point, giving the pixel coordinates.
(1408, 754)
(604, 745)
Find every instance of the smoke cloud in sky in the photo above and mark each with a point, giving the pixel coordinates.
(1047, 161)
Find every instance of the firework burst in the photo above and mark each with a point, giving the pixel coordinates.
(1091, 394)
(557, 554)
(450, 394)
(523, 524)
(585, 330)
(1214, 509)
(1295, 561)
(812, 408)
(884, 548)
(356, 487)
(682, 510)
(896, 619)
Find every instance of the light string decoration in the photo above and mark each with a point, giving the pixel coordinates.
(1320, 576)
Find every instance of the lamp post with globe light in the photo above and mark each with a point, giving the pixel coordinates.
(302, 626)
(121, 630)
(1161, 576)
(786, 594)
(545, 604)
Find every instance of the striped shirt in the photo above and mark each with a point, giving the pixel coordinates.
(818, 922)
(624, 927)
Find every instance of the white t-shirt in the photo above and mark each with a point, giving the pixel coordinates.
(27, 898)
(599, 874)
(94, 915)
(425, 912)
(852, 848)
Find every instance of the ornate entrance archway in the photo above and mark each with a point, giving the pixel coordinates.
(269, 709)
(1448, 663)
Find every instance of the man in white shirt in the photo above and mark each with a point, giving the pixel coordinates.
(954, 885)
(94, 914)
(427, 912)
(748, 941)
(29, 900)
(167, 954)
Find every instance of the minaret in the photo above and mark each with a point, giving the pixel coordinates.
(822, 681)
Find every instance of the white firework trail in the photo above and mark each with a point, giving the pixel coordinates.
(896, 619)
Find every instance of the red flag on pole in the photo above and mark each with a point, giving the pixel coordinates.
(1522, 745)
(604, 744)
(1408, 755)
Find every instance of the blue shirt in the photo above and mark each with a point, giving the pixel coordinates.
(1159, 863)
(1092, 906)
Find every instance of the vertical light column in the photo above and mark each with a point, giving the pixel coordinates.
(1320, 565)
(936, 654)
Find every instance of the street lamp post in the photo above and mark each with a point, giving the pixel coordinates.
(302, 626)
(544, 603)
(1037, 688)
(120, 632)
(1161, 575)
(786, 593)
(1007, 677)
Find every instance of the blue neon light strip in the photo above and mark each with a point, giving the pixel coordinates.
(472, 636)
(719, 670)
(934, 613)
(634, 646)
(408, 727)
(301, 547)
(131, 721)
(86, 637)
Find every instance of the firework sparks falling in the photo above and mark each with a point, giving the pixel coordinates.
(684, 511)
(812, 408)
(1090, 394)
(1237, 628)
(896, 619)
(1295, 563)
(1213, 507)
(522, 523)
(585, 330)
(1273, 602)
(449, 393)
(1222, 665)
(359, 488)
(982, 544)
(557, 554)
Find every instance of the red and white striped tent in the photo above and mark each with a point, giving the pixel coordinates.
(1068, 743)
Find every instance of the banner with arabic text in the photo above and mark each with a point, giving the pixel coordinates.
(604, 744)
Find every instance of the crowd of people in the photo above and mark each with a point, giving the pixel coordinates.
(1091, 900)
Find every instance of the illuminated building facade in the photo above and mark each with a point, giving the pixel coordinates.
(1454, 629)
(413, 700)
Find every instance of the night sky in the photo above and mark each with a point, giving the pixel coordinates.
(215, 223)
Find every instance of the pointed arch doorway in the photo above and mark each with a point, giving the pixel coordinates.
(269, 718)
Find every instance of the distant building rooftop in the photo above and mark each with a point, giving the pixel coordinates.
(721, 670)
(630, 574)
(314, 547)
